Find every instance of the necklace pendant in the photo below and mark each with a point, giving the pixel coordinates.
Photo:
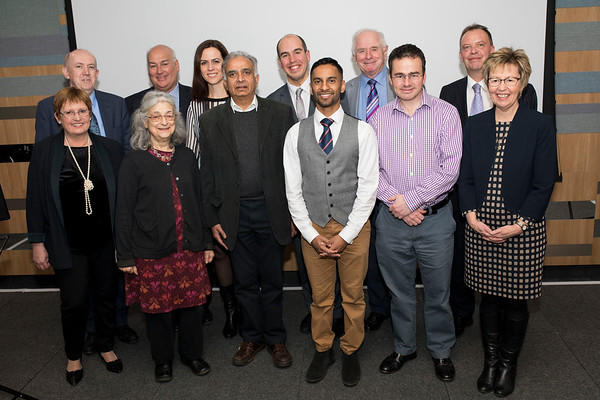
(88, 185)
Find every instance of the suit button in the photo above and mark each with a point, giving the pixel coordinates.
(330, 194)
(176, 178)
(329, 215)
(328, 161)
(331, 205)
(329, 184)
(328, 173)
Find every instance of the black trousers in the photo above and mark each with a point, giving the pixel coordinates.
(258, 278)
(162, 340)
(94, 271)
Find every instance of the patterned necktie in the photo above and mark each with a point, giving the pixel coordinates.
(477, 105)
(372, 99)
(326, 140)
(300, 110)
(94, 127)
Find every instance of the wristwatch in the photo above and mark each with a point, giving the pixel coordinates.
(522, 225)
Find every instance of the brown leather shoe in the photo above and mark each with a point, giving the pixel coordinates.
(281, 356)
(246, 352)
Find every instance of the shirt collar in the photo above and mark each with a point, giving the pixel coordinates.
(253, 106)
(425, 101)
(336, 116)
(471, 82)
(93, 98)
(305, 86)
(379, 78)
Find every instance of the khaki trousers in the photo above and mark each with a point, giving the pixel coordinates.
(352, 269)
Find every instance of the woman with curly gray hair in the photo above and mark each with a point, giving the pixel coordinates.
(163, 243)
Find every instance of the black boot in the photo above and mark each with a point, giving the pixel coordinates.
(490, 336)
(513, 334)
(231, 312)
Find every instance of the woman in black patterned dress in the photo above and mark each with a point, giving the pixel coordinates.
(506, 180)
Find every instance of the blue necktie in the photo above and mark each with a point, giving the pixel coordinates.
(94, 127)
(326, 140)
(372, 99)
(477, 105)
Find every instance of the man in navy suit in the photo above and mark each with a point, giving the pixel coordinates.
(112, 119)
(470, 96)
(163, 71)
(369, 51)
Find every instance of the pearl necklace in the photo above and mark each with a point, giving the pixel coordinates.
(87, 183)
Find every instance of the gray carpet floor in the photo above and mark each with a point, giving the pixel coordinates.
(560, 358)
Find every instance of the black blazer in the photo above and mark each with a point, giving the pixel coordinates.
(282, 95)
(45, 222)
(145, 217)
(135, 100)
(220, 173)
(529, 166)
(112, 110)
(455, 93)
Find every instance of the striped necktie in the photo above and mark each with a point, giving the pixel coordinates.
(372, 99)
(326, 140)
(477, 105)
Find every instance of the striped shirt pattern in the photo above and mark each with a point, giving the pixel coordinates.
(419, 156)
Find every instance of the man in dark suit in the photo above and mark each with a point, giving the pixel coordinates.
(364, 95)
(111, 116)
(163, 71)
(470, 96)
(244, 198)
(110, 119)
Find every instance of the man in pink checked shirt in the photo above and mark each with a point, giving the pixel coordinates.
(420, 145)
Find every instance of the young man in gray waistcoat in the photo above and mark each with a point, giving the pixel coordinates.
(331, 173)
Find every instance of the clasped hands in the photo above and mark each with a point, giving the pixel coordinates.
(329, 247)
(400, 210)
(497, 236)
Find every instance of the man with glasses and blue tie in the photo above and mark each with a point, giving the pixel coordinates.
(420, 147)
(109, 119)
(364, 95)
(470, 96)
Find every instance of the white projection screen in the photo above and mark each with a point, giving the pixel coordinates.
(119, 33)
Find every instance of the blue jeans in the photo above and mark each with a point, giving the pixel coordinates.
(399, 249)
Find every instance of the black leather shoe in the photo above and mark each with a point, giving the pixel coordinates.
(461, 323)
(305, 324)
(115, 366)
(74, 377)
(199, 366)
(318, 367)
(126, 335)
(395, 361)
(163, 372)
(350, 369)
(374, 320)
(338, 327)
(444, 369)
(88, 344)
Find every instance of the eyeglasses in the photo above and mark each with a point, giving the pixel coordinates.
(84, 112)
(158, 118)
(510, 81)
(413, 76)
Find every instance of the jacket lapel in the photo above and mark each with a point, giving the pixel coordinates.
(225, 128)
(264, 122)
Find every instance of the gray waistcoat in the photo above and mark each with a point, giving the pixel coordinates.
(329, 182)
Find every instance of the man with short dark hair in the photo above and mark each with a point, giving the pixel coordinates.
(163, 71)
(364, 95)
(420, 146)
(245, 204)
(470, 97)
(331, 172)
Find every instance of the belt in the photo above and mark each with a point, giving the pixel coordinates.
(434, 208)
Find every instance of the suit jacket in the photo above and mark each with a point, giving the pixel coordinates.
(455, 93)
(112, 110)
(45, 222)
(529, 166)
(282, 95)
(135, 100)
(220, 173)
(350, 96)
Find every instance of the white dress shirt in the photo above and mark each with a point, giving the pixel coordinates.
(367, 171)
(252, 106)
